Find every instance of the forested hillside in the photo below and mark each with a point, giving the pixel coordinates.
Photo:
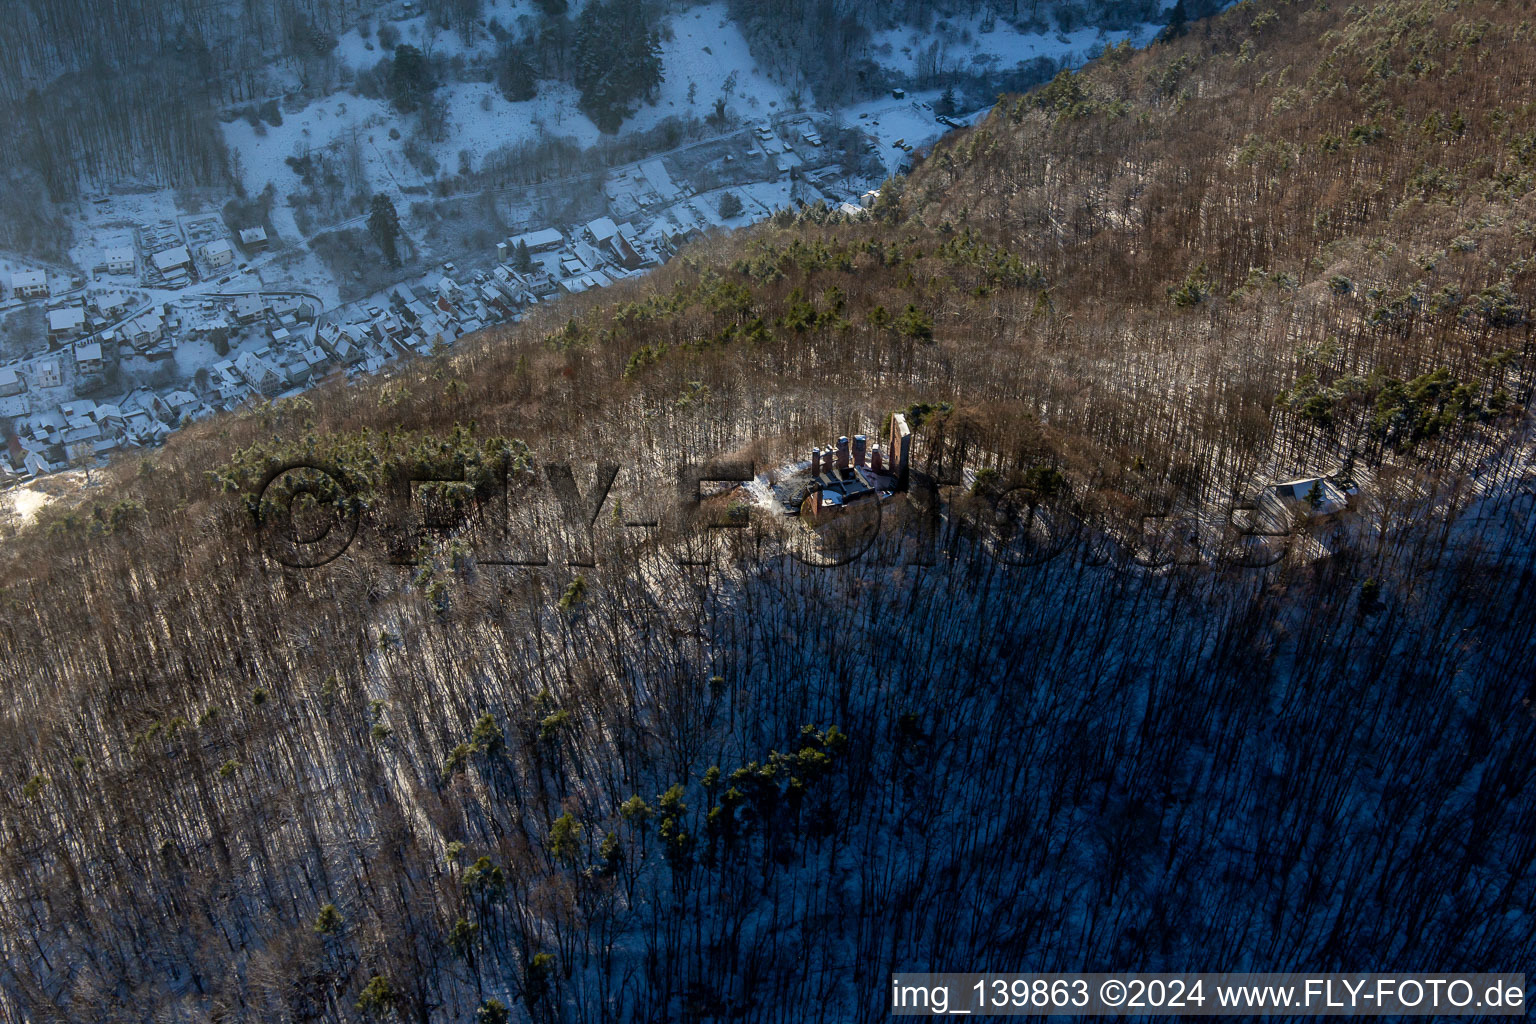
(418, 784)
(149, 103)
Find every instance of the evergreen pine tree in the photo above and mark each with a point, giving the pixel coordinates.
(618, 61)
(384, 224)
(515, 76)
(409, 78)
(1178, 22)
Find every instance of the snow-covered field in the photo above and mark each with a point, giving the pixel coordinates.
(973, 45)
(705, 52)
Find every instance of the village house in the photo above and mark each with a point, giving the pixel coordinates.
(316, 358)
(109, 416)
(259, 374)
(41, 429)
(143, 330)
(80, 426)
(623, 249)
(176, 258)
(10, 382)
(290, 309)
(48, 373)
(65, 323)
(254, 238)
(88, 360)
(121, 260)
(296, 370)
(111, 304)
(142, 399)
(340, 343)
(29, 284)
(46, 460)
(547, 240)
(248, 309)
(602, 229)
(183, 405)
(219, 253)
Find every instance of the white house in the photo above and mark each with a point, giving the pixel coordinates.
(111, 303)
(10, 382)
(29, 284)
(49, 372)
(144, 330)
(219, 253)
(120, 260)
(88, 358)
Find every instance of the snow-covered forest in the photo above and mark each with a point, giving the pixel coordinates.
(1080, 706)
(144, 101)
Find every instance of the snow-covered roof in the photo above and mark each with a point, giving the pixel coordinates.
(86, 432)
(544, 238)
(70, 318)
(28, 279)
(86, 353)
(1330, 498)
(218, 247)
(175, 256)
(122, 254)
(656, 173)
(250, 236)
(49, 368)
(602, 229)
